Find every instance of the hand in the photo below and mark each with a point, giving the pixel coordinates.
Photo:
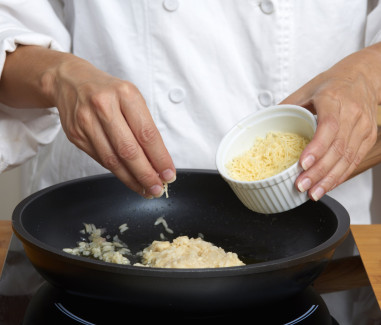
(345, 100)
(108, 119)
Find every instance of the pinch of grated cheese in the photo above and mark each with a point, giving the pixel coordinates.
(268, 156)
(166, 189)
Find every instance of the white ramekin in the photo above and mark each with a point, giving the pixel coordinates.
(277, 193)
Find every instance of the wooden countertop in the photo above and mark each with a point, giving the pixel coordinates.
(342, 274)
(5, 238)
(368, 241)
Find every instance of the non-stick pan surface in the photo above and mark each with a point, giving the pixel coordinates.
(284, 252)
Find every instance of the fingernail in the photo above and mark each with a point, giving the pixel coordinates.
(304, 185)
(156, 191)
(308, 162)
(145, 195)
(317, 194)
(169, 175)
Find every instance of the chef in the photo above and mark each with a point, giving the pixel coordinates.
(140, 88)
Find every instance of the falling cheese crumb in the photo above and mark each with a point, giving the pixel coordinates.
(268, 156)
(166, 189)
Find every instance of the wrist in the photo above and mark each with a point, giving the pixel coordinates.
(372, 61)
(51, 76)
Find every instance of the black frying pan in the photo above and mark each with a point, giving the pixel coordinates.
(284, 252)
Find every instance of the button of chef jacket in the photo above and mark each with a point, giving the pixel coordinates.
(265, 98)
(171, 5)
(267, 7)
(176, 95)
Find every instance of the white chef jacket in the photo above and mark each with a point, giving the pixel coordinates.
(201, 65)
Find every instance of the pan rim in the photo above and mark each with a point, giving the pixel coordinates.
(312, 255)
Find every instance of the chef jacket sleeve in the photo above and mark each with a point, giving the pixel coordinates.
(23, 131)
(373, 24)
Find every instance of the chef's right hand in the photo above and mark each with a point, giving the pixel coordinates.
(108, 118)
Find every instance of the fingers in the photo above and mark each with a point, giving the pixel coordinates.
(343, 137)
(131, 142)
(86, 132)
(109, 120)
(366, 145)
(147, 135)
(345, 99)
(101, 149)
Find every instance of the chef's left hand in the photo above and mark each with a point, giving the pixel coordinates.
(345, 100)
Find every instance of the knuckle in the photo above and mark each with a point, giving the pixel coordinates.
(110, 162)
(102, 104)
(332, 124)
(355, 111)
(128, 90)
(373, 135)
(333, 94)
(99, 99)
(74, 134)
(83, 117)
(319, 172)
(146, 178)
(148, 134)
(357, 160)
(349, 155)
(329, 181)
(338, 146)
(129, 150)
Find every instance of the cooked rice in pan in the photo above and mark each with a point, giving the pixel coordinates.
(99, 247)
(185, 252)
(182, 252)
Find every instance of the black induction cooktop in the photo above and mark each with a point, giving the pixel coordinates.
(26, 299)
